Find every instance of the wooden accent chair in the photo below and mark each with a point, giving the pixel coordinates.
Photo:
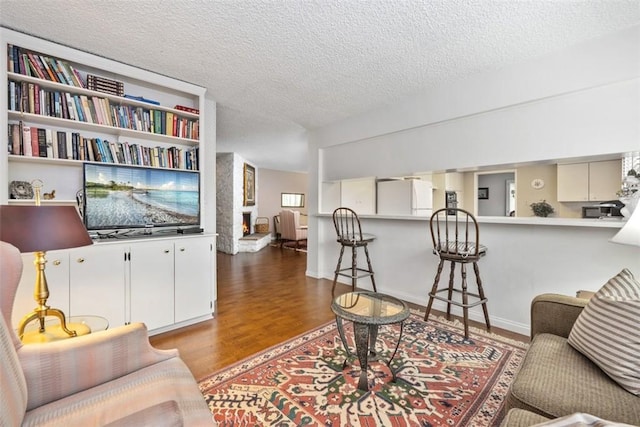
(350, 235)
(455, 236)
(290, 228)
(113, 377)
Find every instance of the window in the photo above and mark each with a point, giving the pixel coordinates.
(292, 200)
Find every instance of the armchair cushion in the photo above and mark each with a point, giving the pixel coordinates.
(59, 369)
(167, 385)
(607, 330)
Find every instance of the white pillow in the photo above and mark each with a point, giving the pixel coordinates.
(608, 330)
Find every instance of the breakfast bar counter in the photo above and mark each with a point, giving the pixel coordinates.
(526, 256)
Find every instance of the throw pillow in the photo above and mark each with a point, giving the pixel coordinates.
(608, 330)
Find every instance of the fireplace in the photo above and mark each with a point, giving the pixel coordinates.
(246, 223)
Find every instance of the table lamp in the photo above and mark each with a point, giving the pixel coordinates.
(39, 229)
(630, 232)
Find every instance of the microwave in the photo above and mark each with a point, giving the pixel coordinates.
(591, 212)
(604, 209)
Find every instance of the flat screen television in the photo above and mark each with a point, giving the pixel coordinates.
(117, 197)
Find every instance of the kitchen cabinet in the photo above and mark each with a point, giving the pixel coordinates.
(589, 182)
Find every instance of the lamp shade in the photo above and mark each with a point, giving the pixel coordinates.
(630, 232)
(42, 228)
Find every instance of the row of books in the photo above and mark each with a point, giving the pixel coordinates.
(31, 98)
(28, 63)
(49, 143)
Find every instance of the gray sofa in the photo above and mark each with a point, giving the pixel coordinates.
(556, 380)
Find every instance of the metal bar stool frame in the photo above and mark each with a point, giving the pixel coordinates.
(349, 232)
(450, 230)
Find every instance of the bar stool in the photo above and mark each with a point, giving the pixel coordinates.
(350, 234)
(451, 230)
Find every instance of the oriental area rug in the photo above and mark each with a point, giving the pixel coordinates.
(442, 379)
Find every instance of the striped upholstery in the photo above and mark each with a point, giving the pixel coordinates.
(112, 377)
(124, 397)
(608, 330)
(83, 362)
(13, 402)
(14, 388)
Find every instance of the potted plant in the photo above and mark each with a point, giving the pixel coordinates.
(542, 208)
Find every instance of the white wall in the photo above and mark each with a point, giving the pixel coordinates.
(274, 182)
(579, 102)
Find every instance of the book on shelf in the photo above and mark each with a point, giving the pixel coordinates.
(103, 84)
(33, 137)
(42, 142)
(142, 99)
(187, 109)
(31, 98)
(31, 63)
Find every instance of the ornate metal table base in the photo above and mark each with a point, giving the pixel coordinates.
(368, 311)
(365, 338)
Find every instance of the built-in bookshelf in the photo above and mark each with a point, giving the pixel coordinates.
(65, 107)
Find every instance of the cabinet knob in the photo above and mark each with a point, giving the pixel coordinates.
(56, 262)
(80, 260)
(181, 249)
(166, 251)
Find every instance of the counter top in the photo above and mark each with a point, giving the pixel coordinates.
(563, 222)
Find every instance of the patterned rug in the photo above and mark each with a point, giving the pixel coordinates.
(443, 379)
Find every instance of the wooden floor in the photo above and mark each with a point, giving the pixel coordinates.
(264, 298)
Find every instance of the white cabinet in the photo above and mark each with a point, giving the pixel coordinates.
(589, 182)
(151, 272)
(162, 282)
(193, 278)
(605, 179)
(97, 278)
(359, 194)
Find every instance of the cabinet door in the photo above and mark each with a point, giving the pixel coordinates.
(57, 274)
(605, 179)
(193, 277)
(151, 285)
(573, 182)
(97, 282)
(359, 195)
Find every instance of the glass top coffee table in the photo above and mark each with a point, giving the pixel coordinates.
(367, 311)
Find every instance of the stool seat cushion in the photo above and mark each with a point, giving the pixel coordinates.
(461, 248)
(355, 239)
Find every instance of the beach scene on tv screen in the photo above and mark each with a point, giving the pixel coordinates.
(117, 197)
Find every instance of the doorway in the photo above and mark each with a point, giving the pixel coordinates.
(496, 193)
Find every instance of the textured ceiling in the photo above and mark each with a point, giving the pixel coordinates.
(277, 68)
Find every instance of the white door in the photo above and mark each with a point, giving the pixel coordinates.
(193, 277)
(151, 283)
(97, 282)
